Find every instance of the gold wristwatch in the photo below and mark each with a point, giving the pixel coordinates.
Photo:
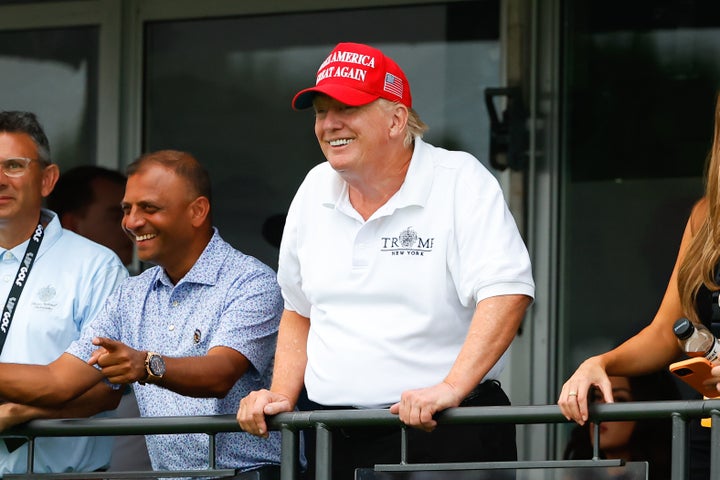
(155, 368)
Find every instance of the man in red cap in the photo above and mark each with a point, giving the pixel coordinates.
(403, 274)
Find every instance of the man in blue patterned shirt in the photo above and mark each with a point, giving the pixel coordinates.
(197, 332)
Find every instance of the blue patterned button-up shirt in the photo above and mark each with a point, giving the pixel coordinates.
(227, 299)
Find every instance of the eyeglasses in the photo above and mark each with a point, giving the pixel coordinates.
(15, 167)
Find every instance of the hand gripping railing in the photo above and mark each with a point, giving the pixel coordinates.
(681, 412)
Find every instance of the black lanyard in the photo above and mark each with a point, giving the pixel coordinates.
(19, 283)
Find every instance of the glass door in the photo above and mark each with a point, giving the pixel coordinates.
(639, 97)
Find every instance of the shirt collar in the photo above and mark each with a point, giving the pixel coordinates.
(414, 191)
(206, 269)
(52, 231)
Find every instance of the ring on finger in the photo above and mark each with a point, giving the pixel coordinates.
(572, 394)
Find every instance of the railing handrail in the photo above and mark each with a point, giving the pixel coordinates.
(210, 424)
(290, 423)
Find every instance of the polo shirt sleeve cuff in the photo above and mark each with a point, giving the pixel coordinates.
(505, 288)
(299, 307)
(76, 349)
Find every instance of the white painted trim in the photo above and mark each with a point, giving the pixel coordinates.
(108, 121)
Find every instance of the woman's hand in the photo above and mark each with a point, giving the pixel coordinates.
(573, 400)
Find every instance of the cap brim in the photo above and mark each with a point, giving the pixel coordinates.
(342, 93)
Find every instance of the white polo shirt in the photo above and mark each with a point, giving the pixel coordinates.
(66, 288)
(390, 299)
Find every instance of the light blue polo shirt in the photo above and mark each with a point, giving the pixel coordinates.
(66, 288)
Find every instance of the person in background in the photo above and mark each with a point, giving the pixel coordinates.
(692, 292)
(194, 333)
(87, 201)
(404, 277)
(53, 283)
(633, 441)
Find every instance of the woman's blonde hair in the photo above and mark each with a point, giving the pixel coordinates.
(701, 259)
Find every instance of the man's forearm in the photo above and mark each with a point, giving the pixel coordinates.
(47, 385)
(291, 355)
(493, 328)
(98, 399)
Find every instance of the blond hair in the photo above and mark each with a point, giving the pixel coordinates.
(701, 258)
(415, 126)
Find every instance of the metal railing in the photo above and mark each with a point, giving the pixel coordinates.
(290, 424)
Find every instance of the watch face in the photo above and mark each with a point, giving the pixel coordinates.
(157, 365)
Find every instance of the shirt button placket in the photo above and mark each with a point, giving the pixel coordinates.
(174, 304)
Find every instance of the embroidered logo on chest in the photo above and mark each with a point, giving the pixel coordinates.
(408, 242)
(45, 298)
(46, 293)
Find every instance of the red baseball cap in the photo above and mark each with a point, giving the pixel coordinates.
(357, 74)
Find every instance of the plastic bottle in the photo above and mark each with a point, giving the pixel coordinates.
(697, 341)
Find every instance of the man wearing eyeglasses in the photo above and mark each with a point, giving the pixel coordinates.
(52, 283)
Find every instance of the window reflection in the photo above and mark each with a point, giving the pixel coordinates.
(53, 73)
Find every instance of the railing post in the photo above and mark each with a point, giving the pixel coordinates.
(31, 455)
(596, 441)
(714, 439)
(678, 466)
(289, 454)
(323, 467)
(211, 456)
